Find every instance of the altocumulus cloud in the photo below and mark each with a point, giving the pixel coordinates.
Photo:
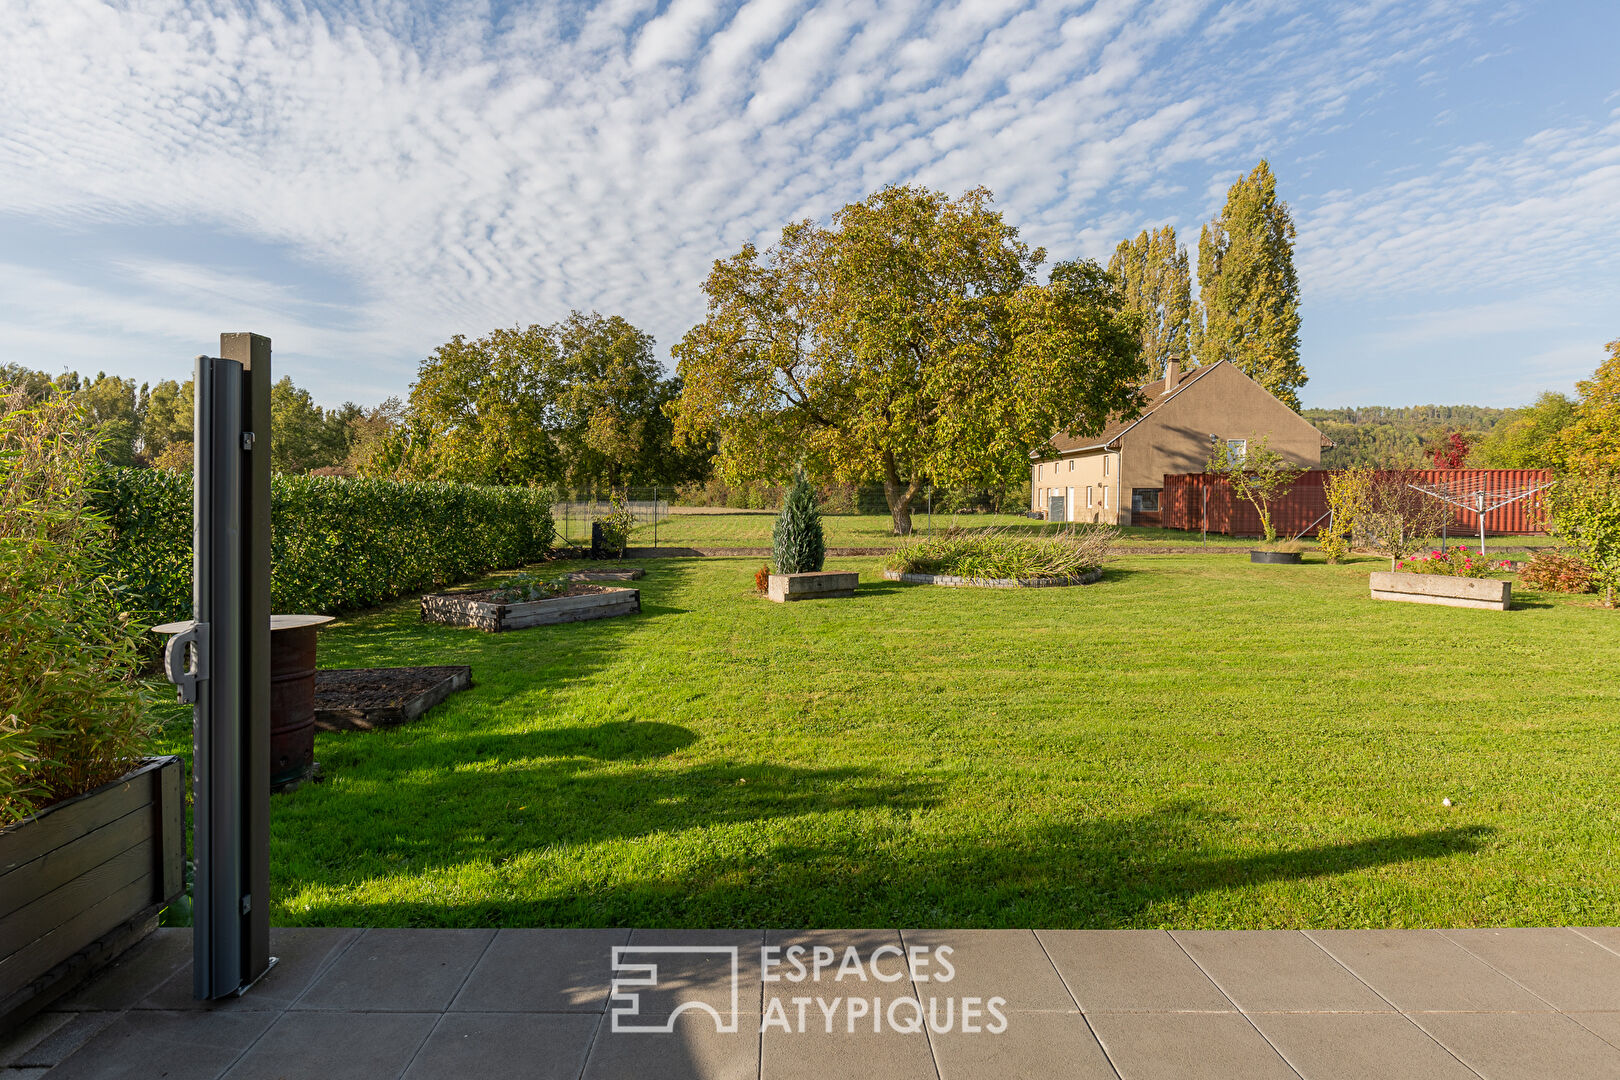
(423, 170)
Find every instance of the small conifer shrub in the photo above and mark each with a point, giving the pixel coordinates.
(798, 544)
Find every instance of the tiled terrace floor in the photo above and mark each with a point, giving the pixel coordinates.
(488, 1005)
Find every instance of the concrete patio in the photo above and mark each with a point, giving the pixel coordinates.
(488, 1005)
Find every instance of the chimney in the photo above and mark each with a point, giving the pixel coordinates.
(1172, 373)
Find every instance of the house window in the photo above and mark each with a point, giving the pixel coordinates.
(1145, 500)
(1237, 449)
(1105, 464)
(1071, 464)
(1088, 495)
(1105, 496)
(1040, 471)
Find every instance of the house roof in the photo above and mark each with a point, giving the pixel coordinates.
(1065, 443)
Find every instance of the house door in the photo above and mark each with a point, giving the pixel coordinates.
(1069, 506)
(1054, 506)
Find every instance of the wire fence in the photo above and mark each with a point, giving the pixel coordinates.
(574, 511)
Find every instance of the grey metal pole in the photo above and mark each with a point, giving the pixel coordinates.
(217, 719)
(252, 353)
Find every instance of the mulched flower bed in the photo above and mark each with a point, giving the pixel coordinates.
(361, 699)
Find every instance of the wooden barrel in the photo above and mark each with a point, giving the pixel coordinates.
(292, 705)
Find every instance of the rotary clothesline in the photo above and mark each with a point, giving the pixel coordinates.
(1477, 495)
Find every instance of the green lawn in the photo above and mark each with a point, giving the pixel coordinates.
(863, 530)
(872, 530)
(1192, 742)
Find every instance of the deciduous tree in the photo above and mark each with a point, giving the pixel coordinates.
(1527, 438)
(1592, 439)
(908, 342)
(1156, 284)
(1248, 292)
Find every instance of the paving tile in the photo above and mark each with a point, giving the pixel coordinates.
(543, 971)
(1607, 936)
(398, 970)
(1277, 970)
(134, 974)
(64, 1039)
(301, 953)
(702, 975)
(175, 1045)
(693, 1051)
(1558, 965)
(1010, 964)
(506, 1046)
(332, 1045)
(1187, 1046)
(1605, 1025)
(859, 1055)
(15, 1044)
(1424, 969)
(1522, 1046)
(1358, 1046)
(840, 975)
(23, 1074)
(1127, 970)
(1049, 1045)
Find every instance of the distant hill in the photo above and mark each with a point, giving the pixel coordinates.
(1393, 437)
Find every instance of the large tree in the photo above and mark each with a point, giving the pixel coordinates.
(1248, 292)
(1592, 439)
(908, 342)
(1156, 284)
(1527, 438)
(579, 402)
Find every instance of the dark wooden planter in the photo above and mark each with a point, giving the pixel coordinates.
(434, 683)
(1284, 557)
(84, 880)
(453, 610)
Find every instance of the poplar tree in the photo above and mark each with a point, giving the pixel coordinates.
(1156, 283)
(1247, 289)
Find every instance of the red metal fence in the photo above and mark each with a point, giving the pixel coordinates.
(1297, 512)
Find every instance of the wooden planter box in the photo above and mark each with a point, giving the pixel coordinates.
(812, 586)
(437, 684)
(84, 880)
(1485, 593)
(453, 610)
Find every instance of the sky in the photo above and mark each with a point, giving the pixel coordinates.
(362, 180)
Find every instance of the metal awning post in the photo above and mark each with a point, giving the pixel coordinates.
(230, 682)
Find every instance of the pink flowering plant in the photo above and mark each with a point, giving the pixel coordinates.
(1453, 562)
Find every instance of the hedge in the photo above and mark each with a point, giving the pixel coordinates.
(336, 544)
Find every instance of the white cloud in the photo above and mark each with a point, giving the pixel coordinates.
(465, 170)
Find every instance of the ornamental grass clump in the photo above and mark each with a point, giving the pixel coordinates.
(798, 543)
(996, 554)
(72, 714)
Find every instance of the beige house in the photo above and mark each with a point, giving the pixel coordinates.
(1116, 475)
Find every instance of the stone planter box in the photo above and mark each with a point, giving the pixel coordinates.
(83, 880)
(813, 586)
(1485, 593)
(992, 583)
(1283, 557)
(454, 610)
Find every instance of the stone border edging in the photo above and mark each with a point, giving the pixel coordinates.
(991, 583)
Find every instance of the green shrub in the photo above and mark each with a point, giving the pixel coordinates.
(991, 553)
(336, 543)
(1583, 512)
(798, 544)
(617, 525)
(1452, 562)
(72, 715)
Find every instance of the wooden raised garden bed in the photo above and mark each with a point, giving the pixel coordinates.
(364, 699)
(1487, 593)
(992, 583)
(481, 611)
(627, 573)
(83, 880)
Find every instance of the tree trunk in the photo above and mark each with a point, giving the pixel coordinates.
(899, 496)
